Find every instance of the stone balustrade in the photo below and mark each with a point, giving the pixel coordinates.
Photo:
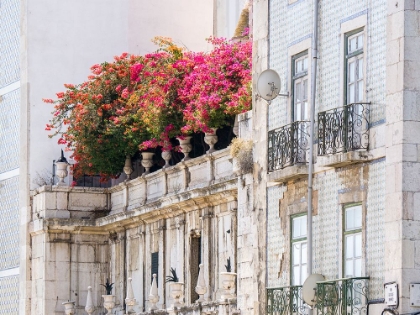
(200, 177)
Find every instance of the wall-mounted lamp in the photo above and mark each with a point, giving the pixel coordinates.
(268, 85)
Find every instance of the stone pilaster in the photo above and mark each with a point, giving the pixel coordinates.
(402, 221)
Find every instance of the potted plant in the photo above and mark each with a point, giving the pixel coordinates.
(176, 288)
(228, 280)
(109, 299)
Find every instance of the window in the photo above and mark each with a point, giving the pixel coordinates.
(299, 250)
(300, 86)
(353, 241)
(155, 266)
(195, 260)
(354, 67)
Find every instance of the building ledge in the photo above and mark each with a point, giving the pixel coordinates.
(343, 159)
(289, 173)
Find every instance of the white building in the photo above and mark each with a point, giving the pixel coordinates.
(44, 45)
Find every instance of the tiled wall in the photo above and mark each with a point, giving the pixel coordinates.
(9, 131)
(9, 155)
(9, 295)
(291, 24)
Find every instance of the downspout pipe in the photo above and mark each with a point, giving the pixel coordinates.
(311, 132)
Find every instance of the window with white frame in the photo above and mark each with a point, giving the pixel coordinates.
(300, 86)
(354, 67)
(299, 250)
(353, 241)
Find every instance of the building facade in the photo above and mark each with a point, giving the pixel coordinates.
(9, 156)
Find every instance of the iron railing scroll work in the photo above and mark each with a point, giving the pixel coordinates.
(342, 296)
(286, 301)
(343, 129)
(288, 145)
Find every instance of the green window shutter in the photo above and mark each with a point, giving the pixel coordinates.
(155, 266)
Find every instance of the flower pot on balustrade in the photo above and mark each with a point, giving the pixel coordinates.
(176, 291)
(69, 307)
(228, 281)
(186, 146)
(211, 139)
(109, 302)
(147, 161)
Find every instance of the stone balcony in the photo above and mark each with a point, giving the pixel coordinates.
(207, 177)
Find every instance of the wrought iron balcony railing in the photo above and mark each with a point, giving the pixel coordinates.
(343, 129)
(342, 296)
(288, 145)
(286, 301)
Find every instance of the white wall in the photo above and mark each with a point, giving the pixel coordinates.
(63, 39)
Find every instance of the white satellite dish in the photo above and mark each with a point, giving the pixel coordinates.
(268, 84)
(309, 287)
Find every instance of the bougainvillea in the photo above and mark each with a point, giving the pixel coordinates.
(140, 102)
(87, 118)
(218, 87)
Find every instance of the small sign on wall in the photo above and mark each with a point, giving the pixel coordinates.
(415, 294)
(391, 293)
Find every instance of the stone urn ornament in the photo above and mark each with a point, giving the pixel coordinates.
(167, 156)
(201, 287)
(186, 146)
(147, 161)
(176, 288)
(61, 169)
(211, 139)
(109, 299)
(128, 168)
(69, 307)
(89, 308)
(130, 301)
(153, 294)
(228, 280)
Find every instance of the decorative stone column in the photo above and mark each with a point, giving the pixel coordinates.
(201, 287)
(130, 301)
(89, 308)
(153, 295)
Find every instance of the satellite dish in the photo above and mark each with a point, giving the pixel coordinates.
(309, 286)
(268, 84)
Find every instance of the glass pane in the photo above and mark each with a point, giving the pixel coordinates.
(298, 66)
(296, 228)
(349, 219)
(349, 246)
(303, 274)
(352, 67)
(348, 272)
(305, 63)
(303, 226)
(305, 89)
(360, 41)
(360, 68)
(298, 92)
(353, 217)
(304, 253)
(296, 254)
(358, 268)
(360, 90)
(296, 275)
(358, 245)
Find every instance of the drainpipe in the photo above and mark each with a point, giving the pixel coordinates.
(311, 131)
